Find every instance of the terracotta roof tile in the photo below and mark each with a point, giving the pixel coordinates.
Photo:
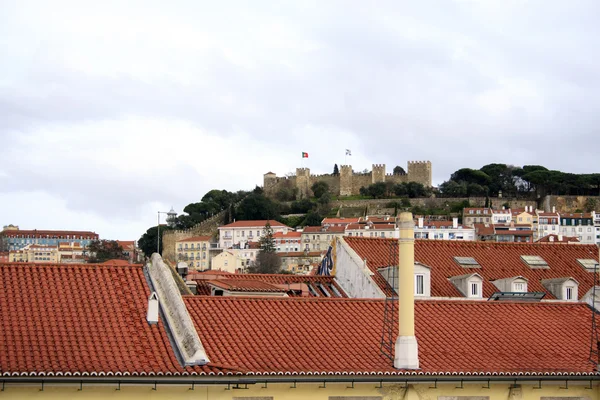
(552, 238)
(245, 285)
(339, 221)
(308, 335)
(497, 261)
(316, 282)
(289, 235)
(93, 319)
(324, 229)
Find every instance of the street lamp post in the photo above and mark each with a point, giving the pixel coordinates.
(171, 215)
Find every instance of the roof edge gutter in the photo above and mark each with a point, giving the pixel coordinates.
(245, 380)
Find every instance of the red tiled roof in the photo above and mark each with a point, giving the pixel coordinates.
(377, 220)
(438, 224)
(546, 239)
(378, 227)
(489, 210)
(254, 224)
(497, 261)
(324, 229)
(196, 239)
(289, 235)
(245, 285)
(323, 336)
(326, 282)
(116, 262)
(576, 215)
(81, 318)
(300, 253)
(43, 233)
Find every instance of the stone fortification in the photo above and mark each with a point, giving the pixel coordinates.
(347, 182)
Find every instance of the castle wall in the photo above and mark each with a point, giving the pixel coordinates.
(347, 183)
(360, 180)
(570, 203)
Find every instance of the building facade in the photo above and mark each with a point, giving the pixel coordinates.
(14, 238)
(580, 225)
(319, 238)
(35, 253)
(443, 230)
(195, 251)
(239, 233)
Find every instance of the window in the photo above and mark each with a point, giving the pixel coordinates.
(243, 233)
(474, 289)
(535, 262)
(588, 263)
(226, 262)
(419, 284)
(519, 287)
(569, 292)
(467, 262)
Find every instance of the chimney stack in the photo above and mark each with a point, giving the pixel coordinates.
(152, 316)
(553, 209)
(455, 222)
(421, 222)
(407, 352)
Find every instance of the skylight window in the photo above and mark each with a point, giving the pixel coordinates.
(588, 263)
(535, 262)
(467, 262)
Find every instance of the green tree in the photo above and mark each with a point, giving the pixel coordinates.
(336, 170)
(590, 204)
(257, 206)
(398, 170)
(147, 242)
(377, 190)
(104, 250)
(453, 189)
(312, 219)
(266, 263)
(266, 241)
(301, 206)
(324, 204)
(319, 188)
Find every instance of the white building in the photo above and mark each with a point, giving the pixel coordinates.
(502, 216)
(580, 225)
(548, 223)
(443, 230)
(238, 233)
(372, 230)
(597, 226)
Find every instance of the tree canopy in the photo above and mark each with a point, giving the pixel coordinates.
(104, 250)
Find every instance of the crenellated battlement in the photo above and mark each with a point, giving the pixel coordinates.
(419, 163)
(348, 182)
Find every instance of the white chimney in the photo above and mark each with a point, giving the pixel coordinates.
(551, 239)
(503, 207)
(455, 222)
(152, 316)
(560, 238)
(420, 222)
(406, 355)
(553, 209)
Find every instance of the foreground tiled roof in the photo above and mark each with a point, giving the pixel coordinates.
(78, 320)
(318, 283)
(328, 336)
(497, 261)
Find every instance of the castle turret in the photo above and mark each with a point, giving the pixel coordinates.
(420, 171)
(346, 180)
(303, 182)
(378, 173)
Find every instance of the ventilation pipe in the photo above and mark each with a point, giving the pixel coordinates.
(152, 316)
(406, 355)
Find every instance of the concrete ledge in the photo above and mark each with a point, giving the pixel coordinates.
(178, 319)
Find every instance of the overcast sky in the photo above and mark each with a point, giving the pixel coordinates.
(113, 110)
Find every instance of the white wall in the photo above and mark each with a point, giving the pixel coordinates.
(352, 275)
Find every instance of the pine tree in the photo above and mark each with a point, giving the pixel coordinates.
(266, 242)
(336, 170)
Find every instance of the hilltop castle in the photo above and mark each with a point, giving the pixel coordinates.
(347, 182)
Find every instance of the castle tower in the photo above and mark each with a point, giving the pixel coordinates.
(378, 173)
(269, 180)
(420, 171)
(346, 180)
(303, 182)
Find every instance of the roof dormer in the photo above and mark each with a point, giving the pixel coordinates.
(562, 288)
(516, 284)
(470, 285)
